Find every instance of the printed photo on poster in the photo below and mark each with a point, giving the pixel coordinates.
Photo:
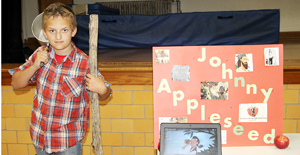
(172, 120)
(253, 112)
(162, 56)
(180, 73)
(224, 136)
(244, 62)
(190, 141)
(271, 56)
(214, 90)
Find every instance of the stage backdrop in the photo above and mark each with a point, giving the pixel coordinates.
(240, 87)
(250, 27)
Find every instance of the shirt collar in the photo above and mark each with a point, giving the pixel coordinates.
(70, 56)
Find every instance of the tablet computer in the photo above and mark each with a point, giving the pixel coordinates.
(190, 139)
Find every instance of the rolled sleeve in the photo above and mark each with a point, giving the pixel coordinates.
(27, 64)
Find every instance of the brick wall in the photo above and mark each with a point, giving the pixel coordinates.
(291, 108)
(126, 120)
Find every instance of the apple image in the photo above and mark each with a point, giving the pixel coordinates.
(281, 141)
(252, 111)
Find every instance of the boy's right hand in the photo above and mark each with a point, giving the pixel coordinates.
(42, 56)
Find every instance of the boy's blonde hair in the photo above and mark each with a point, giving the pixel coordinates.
(59, 9)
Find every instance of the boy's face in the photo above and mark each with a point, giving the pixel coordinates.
(59, 32)
(194, 142)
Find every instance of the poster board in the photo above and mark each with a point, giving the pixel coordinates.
(207, 84)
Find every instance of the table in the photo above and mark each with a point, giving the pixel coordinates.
(292, 149)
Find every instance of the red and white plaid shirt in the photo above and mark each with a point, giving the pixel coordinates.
(60, 114)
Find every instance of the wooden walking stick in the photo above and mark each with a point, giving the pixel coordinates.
(93, 43)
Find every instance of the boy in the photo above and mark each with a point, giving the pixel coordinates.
(60, 114)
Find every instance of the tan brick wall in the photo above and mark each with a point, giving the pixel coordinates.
(126, 120)
(291, 108)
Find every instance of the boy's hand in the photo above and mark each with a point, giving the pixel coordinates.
(95, 84)
(42, 56)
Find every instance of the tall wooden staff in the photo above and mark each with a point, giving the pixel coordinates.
(93, 43)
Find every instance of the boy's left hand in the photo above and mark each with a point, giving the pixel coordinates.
(95, 84)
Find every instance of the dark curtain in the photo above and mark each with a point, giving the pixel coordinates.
(182, 29)
(11, 45)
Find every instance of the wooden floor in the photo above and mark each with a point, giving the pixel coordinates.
(291, 64)
(291, 53)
